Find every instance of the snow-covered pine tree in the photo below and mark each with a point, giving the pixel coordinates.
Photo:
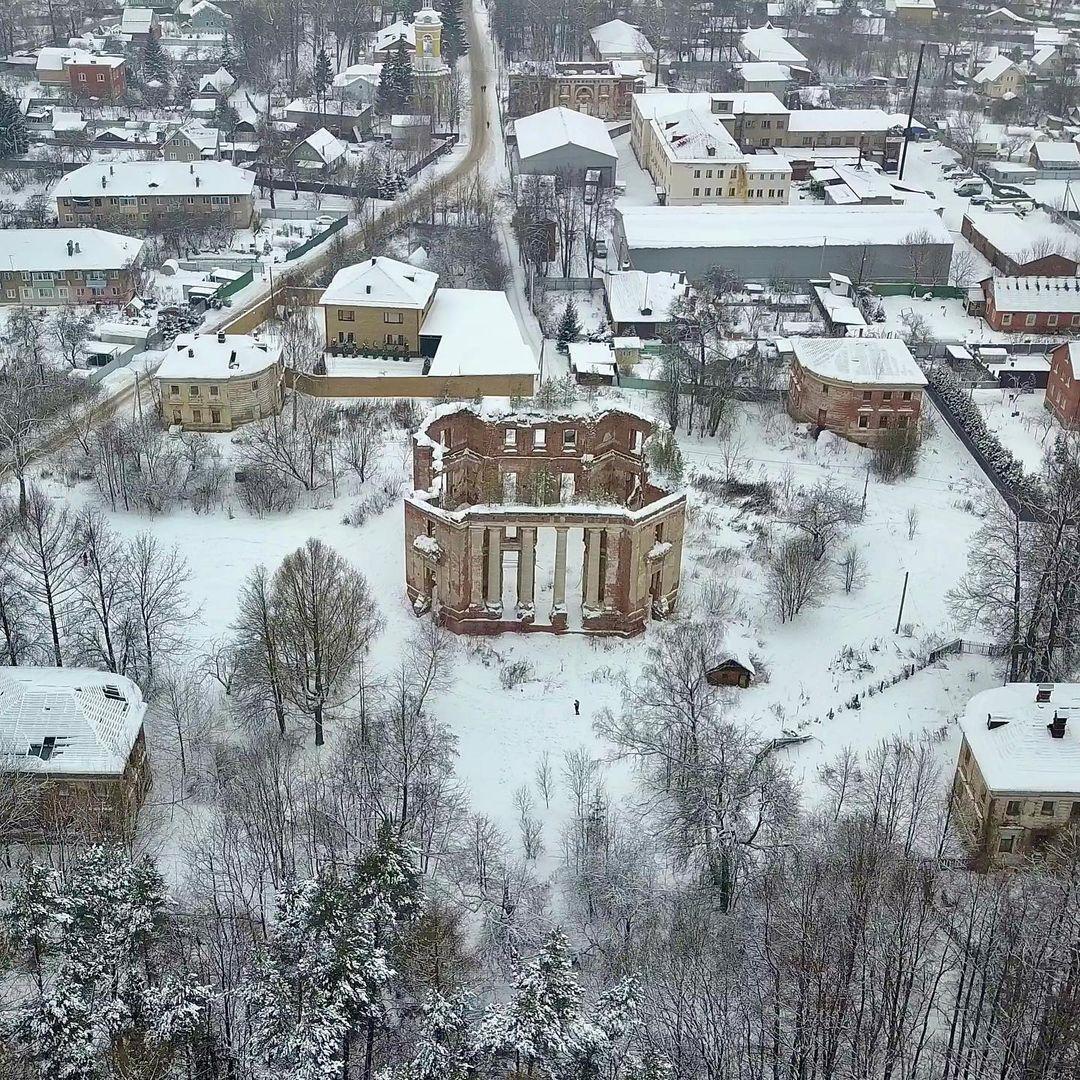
(228, 54)
(395, 90)
(322, 78)
(154, 62)
(103, 991)
(320, 977)
(569, 325)
(386, 881)
(444, 1046)
(14, 139)
(455, 41)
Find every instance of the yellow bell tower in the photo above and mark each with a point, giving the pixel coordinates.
(428, 28)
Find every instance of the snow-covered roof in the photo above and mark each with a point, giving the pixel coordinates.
(552, 128)
(53, 57)
(591, 357)
(381, 282)
(629, 291)
(1023, 237)
(860, 361)
(619, 38)
(993, 71)
(93, 60)
(390, 35)
(1049, 294)
(792, 225)
(156, 178)
(662, 106)
(136, 20)
(841, 310)
(217, 356)
(1057, 153)
(1073, 353)
(858, 121)
(765, 43)
(199, 135)
(757, 71)
(628, 69)
(47, 249)
(746, 103)
(358, 73)
(326, 146)
(1008, 16)
(1050, 35)
(220, 80)
(68, 721)
(692, 136)
(209, 8)
(68, 120)
(1043, 56)
(480, 335)
(1006, 731)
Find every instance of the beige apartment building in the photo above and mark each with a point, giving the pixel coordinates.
(216, 382)
(43, 267)
(1017, 781)
(694, 161)
(138, 193)
(378, 304)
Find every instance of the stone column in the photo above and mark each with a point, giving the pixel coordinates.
(558, 598)
(494, 568)
(476, 570)
(526, 572)
(592, 567)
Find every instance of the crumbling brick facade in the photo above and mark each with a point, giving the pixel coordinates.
(575, 485)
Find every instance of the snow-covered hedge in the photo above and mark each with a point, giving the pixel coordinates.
(969, 416)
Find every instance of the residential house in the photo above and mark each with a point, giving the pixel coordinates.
(206, 17)
(640, 304)
(562, 142)
(1063, 384)
(1022, 245)
(913, 12)
(618, 40)
(865, 389)
(139, 192)
(100, 77)
(999, 79)
(597, 88)
(216, 382)
(358, 84)
(43, 267)
(1059, 160)
(140, 24)
(193, 142)
(384, 308)
(767, 44)
(346, 121)
(1017, 781)
(219, 82)
(1032, 305)
(592, 363)
(765, 77)
(71, 741)
(50, 66)
(320, 151)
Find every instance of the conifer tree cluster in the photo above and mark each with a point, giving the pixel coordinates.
(395, 90)
(455, 40)
(14, 139)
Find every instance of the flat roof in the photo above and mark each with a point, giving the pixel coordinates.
(1018, 755)
(480, 335)
(848, 120)
(793, 225)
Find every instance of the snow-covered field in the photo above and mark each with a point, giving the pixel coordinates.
(1020, 421)
(811, 666)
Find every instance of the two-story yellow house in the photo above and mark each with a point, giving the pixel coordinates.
(378, 303)
(1017, 782)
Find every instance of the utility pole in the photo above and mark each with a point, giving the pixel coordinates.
(911, 112)
(866, 484)
(903, 597)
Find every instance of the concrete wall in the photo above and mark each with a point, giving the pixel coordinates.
(405, 386)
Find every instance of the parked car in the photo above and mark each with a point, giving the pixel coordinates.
(966, 188)
(600, 248)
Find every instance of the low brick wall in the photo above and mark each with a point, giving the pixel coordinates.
(408, 386)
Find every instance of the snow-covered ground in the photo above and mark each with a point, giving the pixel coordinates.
(811, 666)
(1020, 421)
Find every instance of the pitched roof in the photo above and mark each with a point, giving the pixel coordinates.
(381, 282)
(68, 720)
(328, 147)
(47, 249)
(993, 71)
(765, 43)
(217, 356)
(620, 38)
(552, 128)
(1057, 153)
(156, 178)
(1049, 294)
(136, 20)
(629, 291)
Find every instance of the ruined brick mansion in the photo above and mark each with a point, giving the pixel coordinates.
(541, 522)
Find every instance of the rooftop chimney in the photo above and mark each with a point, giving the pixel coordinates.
(991, 723)
(221, 338)
(191, 352)
(372, 260)
(198, 181)
(1056, 727)
(367, 288)
(1043, 693)
(104, 180)
(78, 247)
(232, 359)
(71, 248)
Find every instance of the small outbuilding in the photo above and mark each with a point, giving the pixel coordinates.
(562, 142)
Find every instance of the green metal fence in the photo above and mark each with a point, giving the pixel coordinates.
(905, 288)
(233, 287)
(317, 239)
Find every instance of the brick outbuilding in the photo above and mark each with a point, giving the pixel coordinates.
(1063, 384)
(1032, 305)
(861, 388)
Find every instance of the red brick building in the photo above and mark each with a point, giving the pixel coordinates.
(102, 77)
(1063, 385)
(861, 388)
(1032, 305)
(1022, 246)
(564, 502)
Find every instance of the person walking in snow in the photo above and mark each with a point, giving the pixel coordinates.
(577, 707)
